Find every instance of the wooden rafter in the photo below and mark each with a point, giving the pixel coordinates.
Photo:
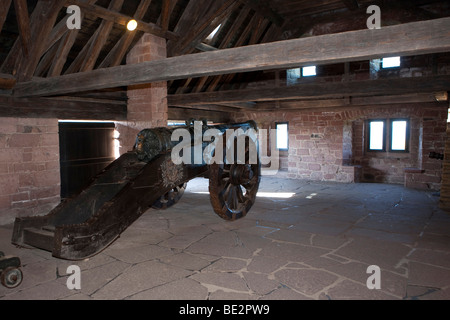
(215, 15)
(7, 81)
(263, 8)
(189, 18)
(59, 43)
(430, 36)
(42, 21)
(122, 19)
(318, 90)
(249, 31)
(23, 22)
(243, 14)
(100, 37)
(167, 7)
(4, 9)
(116, 55)
(351, 4)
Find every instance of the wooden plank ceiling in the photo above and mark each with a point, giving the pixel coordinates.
(35, 42)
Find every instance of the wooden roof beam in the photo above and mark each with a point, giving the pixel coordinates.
(318, 90)
(4, 9)
(263, 8)
(431, 36)
(351, 4)
(7, 81)
(23, 20)
(122, 19)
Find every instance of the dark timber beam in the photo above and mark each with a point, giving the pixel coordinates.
(7, 81)
(122, 19)
(23, 20)
(62, 108)
(4, 9)
(263, 8)
(415, 38)
(318, 90)
(316, 104)
(351, 4)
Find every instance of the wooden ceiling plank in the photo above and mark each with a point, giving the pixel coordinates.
(431, 36)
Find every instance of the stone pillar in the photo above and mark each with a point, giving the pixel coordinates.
(147, 103)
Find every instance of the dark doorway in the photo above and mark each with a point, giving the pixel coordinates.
(85, 149)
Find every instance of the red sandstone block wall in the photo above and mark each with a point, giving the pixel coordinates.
(329, 145)
(29, 167)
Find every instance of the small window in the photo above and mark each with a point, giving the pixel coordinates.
(309, 71)
(392, 62)
(292, 76)
(212, 34)
(394, 137)
(377, 135)
(282, 135)
(399, 135)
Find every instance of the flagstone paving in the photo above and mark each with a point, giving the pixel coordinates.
(315, 245)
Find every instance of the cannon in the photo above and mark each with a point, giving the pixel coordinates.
(10, 274)
(154, 175)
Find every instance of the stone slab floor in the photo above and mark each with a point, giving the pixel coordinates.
(317, 244)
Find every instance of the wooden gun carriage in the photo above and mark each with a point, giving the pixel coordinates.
(145, 177)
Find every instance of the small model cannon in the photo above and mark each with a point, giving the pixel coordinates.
(154, 174)
(10, 274)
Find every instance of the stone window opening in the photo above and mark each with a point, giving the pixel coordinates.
(388, 135)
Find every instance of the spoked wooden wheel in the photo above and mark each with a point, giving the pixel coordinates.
(233, 188)
(170, 198)
(11, 277)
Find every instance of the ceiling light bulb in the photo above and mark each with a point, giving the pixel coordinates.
(132, 25)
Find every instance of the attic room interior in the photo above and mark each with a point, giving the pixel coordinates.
(353, 167)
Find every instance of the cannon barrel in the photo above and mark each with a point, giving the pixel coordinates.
(156, 141)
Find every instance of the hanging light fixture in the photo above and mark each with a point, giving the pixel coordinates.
(132, 25)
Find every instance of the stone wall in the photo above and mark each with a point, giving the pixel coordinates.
(330, 145)
(29, 167)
